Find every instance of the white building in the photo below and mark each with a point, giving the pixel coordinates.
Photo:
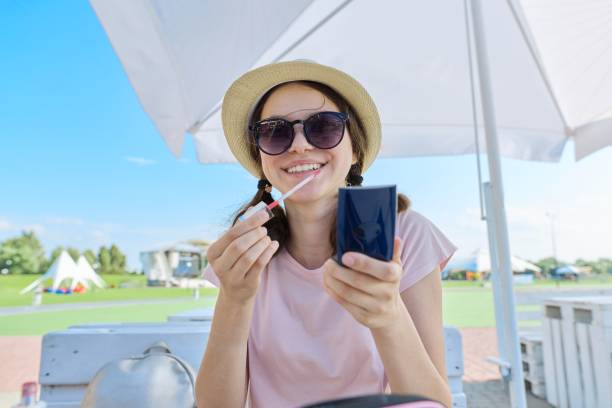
(180, 264)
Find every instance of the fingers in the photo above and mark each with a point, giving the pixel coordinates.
(339, 294)
(397, 250)
(238, 247)
(356, 279)
(250, 257)
(218, 247)
(385, 271)
(344, 294)
(262, 261)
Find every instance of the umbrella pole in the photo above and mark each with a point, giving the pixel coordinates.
(502, 349)
(497, 222)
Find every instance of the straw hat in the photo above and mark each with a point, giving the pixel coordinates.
(242, 97)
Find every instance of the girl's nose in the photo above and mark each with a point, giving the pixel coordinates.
(300, 144)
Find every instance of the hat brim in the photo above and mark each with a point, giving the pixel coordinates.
(242, 96)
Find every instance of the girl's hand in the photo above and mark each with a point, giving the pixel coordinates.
(239, 256)
(369, 290)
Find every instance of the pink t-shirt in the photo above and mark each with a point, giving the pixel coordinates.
(303, 347)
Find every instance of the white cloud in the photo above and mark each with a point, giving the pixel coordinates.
(5, 225)
(39, 229)
(99, 236)
(64, 220)
(141, 161)
(581, 229)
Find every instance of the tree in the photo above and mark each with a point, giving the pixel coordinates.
(117, 260)
(73, 252)
(54, 255)
(23, 254)
(547, 265)
(111, 260)
(600, 266)
(91, 258)
(104, 260)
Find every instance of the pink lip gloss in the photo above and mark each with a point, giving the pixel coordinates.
(262, 206)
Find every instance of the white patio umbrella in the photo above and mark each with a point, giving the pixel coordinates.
(425, 63)
(412, 57)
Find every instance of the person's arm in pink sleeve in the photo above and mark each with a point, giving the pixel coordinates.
(420, 339)
(425, 247)
(238, 257)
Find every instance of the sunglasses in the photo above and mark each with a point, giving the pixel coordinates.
(323, 130)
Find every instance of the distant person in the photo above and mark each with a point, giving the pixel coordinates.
(291, 326)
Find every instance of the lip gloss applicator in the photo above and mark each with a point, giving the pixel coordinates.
(268, 207)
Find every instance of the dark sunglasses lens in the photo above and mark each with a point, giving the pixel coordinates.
(274, 137)
(324, 130)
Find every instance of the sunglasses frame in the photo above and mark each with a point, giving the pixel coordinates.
(253, 130)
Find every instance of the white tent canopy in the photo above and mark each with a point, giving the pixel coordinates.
(86, 274)
(480, 261)
(412, 59)
(64, 269)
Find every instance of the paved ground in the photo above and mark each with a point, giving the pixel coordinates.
(20, 357)
(482, 382)
(493, 393)
(478, 344)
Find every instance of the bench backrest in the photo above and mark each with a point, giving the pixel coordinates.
(70, 358)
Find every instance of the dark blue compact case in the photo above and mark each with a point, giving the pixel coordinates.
(366, 221)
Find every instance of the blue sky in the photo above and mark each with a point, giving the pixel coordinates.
(82, 165)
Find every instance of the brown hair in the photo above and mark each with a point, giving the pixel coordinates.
(278, 226)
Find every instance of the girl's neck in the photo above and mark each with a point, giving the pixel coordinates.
(310, 226)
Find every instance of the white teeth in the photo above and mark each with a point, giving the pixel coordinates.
(303, 167)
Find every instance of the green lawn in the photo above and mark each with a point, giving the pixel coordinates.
(121, 287)
(463, 307)
(594, 281)
(468, 307)
(470, 304)
(465, 304)
(41, 323)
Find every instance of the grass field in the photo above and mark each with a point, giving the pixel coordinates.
(121, 287)
(41, 323)
(465, 304)
(463, 307)
(593, 281)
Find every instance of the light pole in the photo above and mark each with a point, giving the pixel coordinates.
(551, 216)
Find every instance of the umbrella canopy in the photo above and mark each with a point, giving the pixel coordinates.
(413, 58)
(480, 261)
